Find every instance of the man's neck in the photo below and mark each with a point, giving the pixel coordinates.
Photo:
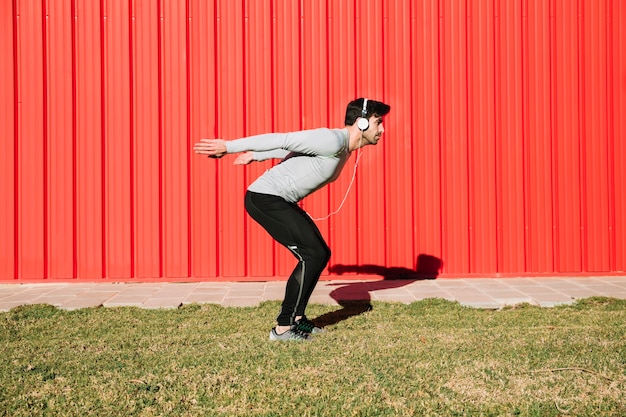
(355, 138)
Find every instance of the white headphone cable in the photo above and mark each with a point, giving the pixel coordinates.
(345, 197)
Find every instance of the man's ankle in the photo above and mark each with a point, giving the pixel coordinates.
(282, 329)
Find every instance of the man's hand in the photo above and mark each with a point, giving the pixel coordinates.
(215, 148)
(244, 158)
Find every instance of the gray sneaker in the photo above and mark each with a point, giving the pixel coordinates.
(291, 334)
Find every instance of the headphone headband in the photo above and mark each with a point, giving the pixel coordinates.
(362, 122)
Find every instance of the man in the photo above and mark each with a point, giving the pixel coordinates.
(310, 160)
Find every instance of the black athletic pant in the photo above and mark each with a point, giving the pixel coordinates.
(290, 226)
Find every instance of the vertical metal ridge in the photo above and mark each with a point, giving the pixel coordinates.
(496, 148)
(8, 142)
(327, 104)
(552, 129)
(188, 138)
(131, 135)
(300, 64)
(327, 46)
(16, 109)
(273, 100)
(160, 131)
(74, 144)
(552, 123)
(412, 106)
(45, 138)
(619, 128)
(244, 110)
(103, 114)
(582, 134)
(610, 122)
(524, 132)
(216, 180)
(440, 119)
(385, 257)
(469, 177)
(355, 49)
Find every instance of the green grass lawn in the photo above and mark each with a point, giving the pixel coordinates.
(428, 358)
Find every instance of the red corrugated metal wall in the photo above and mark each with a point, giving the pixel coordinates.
(503, 154)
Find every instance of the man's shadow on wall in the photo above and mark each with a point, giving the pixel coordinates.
(355, 298)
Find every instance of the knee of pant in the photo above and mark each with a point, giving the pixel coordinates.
(328, 253)
(324, 254)
(316, 254)
(319, 254)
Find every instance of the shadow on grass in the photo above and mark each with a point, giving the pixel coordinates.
(355, 298)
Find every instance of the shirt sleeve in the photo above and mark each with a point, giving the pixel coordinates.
(323, 142)
(273, 154)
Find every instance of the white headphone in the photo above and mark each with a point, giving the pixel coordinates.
(362, 123)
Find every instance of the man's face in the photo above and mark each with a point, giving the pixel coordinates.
(375, 130)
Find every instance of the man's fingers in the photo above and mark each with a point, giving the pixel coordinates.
(204, 146)
(203, 150)
(213, 148)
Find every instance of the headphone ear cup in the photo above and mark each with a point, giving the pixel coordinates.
(363, 123)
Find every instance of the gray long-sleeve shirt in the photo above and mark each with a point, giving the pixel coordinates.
(310, 160)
